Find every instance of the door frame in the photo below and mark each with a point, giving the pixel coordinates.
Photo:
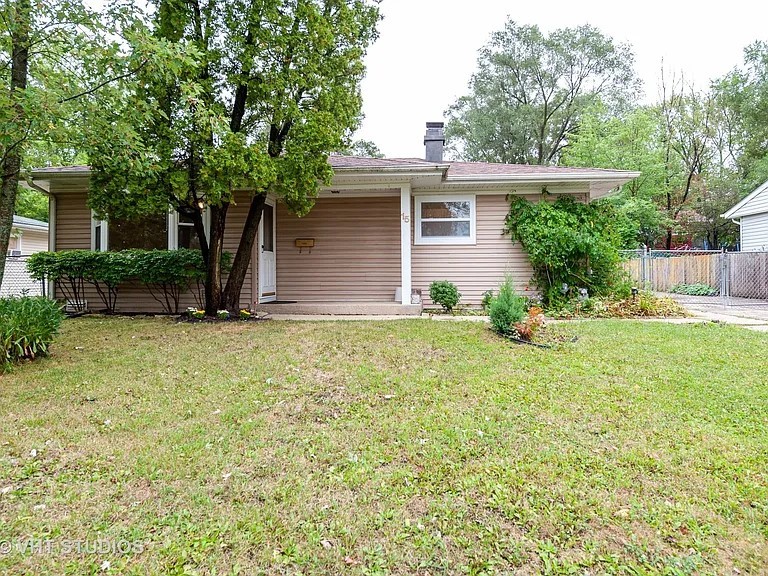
(269, 297)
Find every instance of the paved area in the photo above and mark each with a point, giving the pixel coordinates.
(752, 314)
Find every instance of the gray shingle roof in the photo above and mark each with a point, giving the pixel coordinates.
(455, 169)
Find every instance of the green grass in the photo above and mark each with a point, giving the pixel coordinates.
(407, 447)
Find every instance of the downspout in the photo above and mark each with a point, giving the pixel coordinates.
(738, 223)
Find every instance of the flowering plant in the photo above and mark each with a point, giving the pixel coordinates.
(245, 314)
(195, 313)
(222, 314)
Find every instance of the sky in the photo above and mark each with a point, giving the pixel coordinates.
(427, 50)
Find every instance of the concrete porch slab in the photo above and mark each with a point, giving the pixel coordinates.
(341, 309)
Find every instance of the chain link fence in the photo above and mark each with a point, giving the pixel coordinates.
(739, 278)
(16, 280)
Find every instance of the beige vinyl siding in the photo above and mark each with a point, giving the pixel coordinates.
(33, 241)
(356, 255)
(73, 232)
(479, 267)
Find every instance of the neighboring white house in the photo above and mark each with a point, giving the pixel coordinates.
(751, 214)
(27, 236)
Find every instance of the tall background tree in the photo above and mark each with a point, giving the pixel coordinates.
(270, 89)
(44, 46)
(531, 90)
(569, 98)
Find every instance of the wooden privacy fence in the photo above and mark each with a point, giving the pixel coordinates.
(660, 270)
(736, 274)
(747, 274)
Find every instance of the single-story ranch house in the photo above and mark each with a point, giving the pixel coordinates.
(383, 229)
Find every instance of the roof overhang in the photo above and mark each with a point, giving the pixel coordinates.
(743, 208)
(599, 184)
(421, 176)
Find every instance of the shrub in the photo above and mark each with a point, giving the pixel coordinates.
(531, 324)
(570, 245)
(646, 304)
(166, 274)
(507, 309)
(694, 290)
(444, 293)
(27, 327)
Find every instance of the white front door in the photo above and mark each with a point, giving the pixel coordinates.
(267, 262)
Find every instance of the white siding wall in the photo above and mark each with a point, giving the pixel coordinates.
(754, 231)
(758, 204)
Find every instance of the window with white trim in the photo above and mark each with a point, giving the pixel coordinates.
(162, 232)
(445, 219)
(181, 230)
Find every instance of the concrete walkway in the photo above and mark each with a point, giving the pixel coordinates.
(749, 313)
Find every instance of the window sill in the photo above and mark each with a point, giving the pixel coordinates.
(444, 242)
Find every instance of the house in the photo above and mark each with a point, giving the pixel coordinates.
(384, 228)
(751, 214)
(27, 236)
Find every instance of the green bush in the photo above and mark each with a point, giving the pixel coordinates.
(570, 245)
(507, 309)
(27, 327)
(166, 274)
(694, 290)
(444, 293)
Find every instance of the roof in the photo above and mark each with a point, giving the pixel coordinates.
(754, 203)
(474, 169)
(435, 175)
(454, 169)
(29, 223)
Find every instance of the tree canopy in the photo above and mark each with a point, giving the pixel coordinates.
(254, 96)
(531, 91)
(42, 45)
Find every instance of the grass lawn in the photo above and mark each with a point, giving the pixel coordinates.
(407, 447)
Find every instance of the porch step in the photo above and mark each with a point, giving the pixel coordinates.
(342, 308)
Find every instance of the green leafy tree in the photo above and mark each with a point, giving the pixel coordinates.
(630, 141)
(270, 88)
(362, 148)
(32, 204)
(46, 49)
(743, 99)
(531, 91)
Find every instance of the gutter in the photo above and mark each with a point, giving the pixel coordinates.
(545, 176)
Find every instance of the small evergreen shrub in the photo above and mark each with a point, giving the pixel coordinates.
(27, 327)
(444, 293)
(507, 309)
(694, 290)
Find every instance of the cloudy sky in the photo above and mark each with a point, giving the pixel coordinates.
(427, 50)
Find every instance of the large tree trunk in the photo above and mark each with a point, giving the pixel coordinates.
(12, 157)
(213, 285)
(243, 256)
